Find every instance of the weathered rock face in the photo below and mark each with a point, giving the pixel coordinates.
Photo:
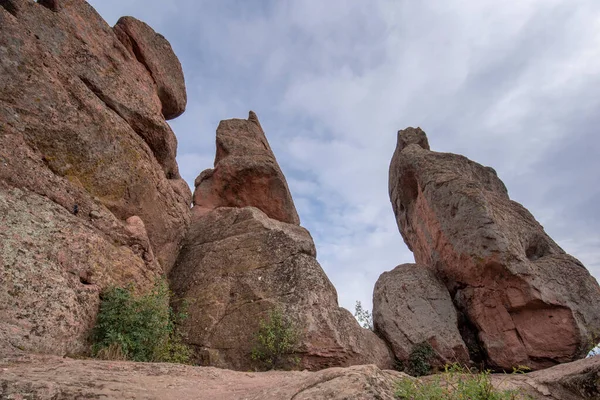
(411, 306)
(245, 173)
(80, 125)
(237, 265)
(52, 268)
(528, 302)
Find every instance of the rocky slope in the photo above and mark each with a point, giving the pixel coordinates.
(521, 299)
(239, 263)
(90, 194)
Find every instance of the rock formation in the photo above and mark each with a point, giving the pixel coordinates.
(90, 194)
(239, 263)
(245, 173)
(521, 299)
(411, 306)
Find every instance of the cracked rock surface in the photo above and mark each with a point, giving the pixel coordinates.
(52, 378)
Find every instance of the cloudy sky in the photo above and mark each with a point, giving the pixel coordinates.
(513, 85)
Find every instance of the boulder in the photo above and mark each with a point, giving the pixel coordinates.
(519, 295)
(155, 53)
(245, 255)
(84, 148)
(245, 173)
(236, 266)
(412, 306)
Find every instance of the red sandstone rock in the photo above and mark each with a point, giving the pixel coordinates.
(237, 265)
(80, 124)
(155, 53)
(528, 302)
(245, 173)
(411, 306)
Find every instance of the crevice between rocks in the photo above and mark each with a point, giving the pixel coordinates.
(52, 5)
(9, 6)
(469, 334)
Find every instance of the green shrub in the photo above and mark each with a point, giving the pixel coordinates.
(455, 383)
(138, 327)
(276, 342)
(363, 316)
(419, 359)
(592, 345)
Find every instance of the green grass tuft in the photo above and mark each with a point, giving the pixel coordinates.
(455, 383)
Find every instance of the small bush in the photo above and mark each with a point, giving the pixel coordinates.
(138, 327)
(276, 342)
(419, 360)
(592, 347)
(363, 316)
(455, 383)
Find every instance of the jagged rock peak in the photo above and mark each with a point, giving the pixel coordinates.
(410, 136)
(521, 298)
(245, 173)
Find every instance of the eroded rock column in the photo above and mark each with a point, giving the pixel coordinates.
(246, 255)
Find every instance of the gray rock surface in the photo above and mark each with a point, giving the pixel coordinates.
(411, 306)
